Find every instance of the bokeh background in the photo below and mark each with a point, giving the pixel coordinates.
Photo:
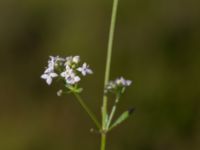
(157, 45)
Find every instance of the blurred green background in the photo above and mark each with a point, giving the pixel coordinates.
(157, 45)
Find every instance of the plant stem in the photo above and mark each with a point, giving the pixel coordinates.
(109, 57)
(107, 71)
(103, 141)
(112, 112)
(110, 41)
(89, 112)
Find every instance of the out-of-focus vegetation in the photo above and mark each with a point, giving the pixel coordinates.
(157, 45)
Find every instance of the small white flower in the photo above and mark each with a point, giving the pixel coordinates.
(68, 71)
(72, 79)
(123, 82)
(52, 62)
(85, 69)
(118, 84)
(59, 93)
(68, 60)
(49, 77)
(70, 76)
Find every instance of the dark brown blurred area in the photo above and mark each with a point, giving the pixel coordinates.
(157, 45)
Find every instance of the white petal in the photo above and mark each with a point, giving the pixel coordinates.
(85, 65)
(44, 76)
(70, 72)
(77, 79)
(76, 59)
(53, 75)
(63, 74)
(89, 71)
(51, 57)
(118, 81)
(48, 70)
(49, 80)
(128, 82)
(69, 59)
(79, 69)
(84, 72)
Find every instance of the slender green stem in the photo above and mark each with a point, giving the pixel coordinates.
(107, 71)
(109, 57)
(110, 41)
(112, 112)
(103, 141)
(89, 112)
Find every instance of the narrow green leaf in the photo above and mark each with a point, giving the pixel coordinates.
(124, 116)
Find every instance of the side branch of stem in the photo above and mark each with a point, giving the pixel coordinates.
(88, 111)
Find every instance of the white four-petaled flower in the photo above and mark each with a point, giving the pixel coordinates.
(72, 79)
(49, 77)
(85, 69)
(70, 76)
(68, 71)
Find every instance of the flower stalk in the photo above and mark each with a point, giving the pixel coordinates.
(112, 112)
(88, 111)
(107, 72)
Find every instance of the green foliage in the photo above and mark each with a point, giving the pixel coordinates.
(123, 117)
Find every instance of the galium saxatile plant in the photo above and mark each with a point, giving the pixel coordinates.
(70, 70)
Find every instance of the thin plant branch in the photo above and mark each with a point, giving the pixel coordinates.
(112, 112)
(89, 112)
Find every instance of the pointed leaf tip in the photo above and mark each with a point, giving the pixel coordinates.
(131, 111)
(123, 117)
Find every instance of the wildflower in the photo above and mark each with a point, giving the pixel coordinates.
(122, 82)
(68, 71)
(54, 62)
(85, 69)
(70, 76)
(72, 79)
(48, 76)
(118, 85)
(72, 60)
(68, 61)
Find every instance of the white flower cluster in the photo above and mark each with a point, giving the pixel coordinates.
(118, 85)
(67, 68)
